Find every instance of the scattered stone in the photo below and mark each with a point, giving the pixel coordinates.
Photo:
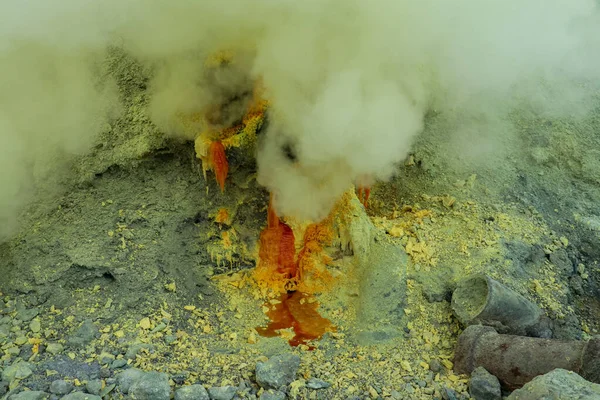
(484, 386)
(135, 349)
(435, 366)
(120, 363)
(60, 386)
(84, 335)
(94, 386)
(560, 259)
(26, 351)
(26, 315)
(127, 378)
(314, 383)
(21, 340)
(192, 392)
(278, 371)
(19, 370)
(54, 348)
(272, 395)
(30, 395)
(4, 331)
(107, 389)
(81, 396)
(557, 384)
(222, 393)
(35, 326)
(170, 339)
(447, 393)
(151, 386)
(106, 358)
(66, 366)
(180, 378)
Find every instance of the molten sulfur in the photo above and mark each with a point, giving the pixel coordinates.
(278, 266)
(297, 311)
(363, 194)
(218, 161)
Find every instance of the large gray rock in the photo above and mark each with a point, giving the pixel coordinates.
(83, 335)
(19, 370)
(279, 371)
(128, 378)
(272, 395)
(30, 395)
(558, 384)
(484, 386)
(192, 392)
(60, 386)
(80, 396)
(222, 393)
(151, 386)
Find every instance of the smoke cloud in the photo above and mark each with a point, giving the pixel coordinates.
(349, 81)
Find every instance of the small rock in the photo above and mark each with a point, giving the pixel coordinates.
(151, 386)
(84, 335)
(4, 331)
(60, 386)
(26, 351)
(94, 386)
(30, 395)
(447, 393)
(135, 349)
(314, 383)
(279, 371)
(19, 370)
(170, 339)
(127, 378)
(484, 386)
(81, 396)
(222, 393)
(54, 348)
(21, 340)
(35, 326)
(120, 363)
(557, 384)
(435, 366)
(192, 392)
(180, 378)
(272, 395)
(560, 259)
(106, 358)
(27, 315)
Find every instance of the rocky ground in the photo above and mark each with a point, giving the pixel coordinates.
(121, 285)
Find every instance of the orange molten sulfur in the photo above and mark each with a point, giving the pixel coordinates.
(218, 161)
(279, 267)
(298, 311)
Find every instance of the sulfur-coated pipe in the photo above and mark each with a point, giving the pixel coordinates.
(516, 360)
(480, 299)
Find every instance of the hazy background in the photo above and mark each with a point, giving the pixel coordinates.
(350, 81)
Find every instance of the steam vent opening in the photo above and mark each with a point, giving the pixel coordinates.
(299, 200)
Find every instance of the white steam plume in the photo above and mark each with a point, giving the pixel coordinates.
(349, 80)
